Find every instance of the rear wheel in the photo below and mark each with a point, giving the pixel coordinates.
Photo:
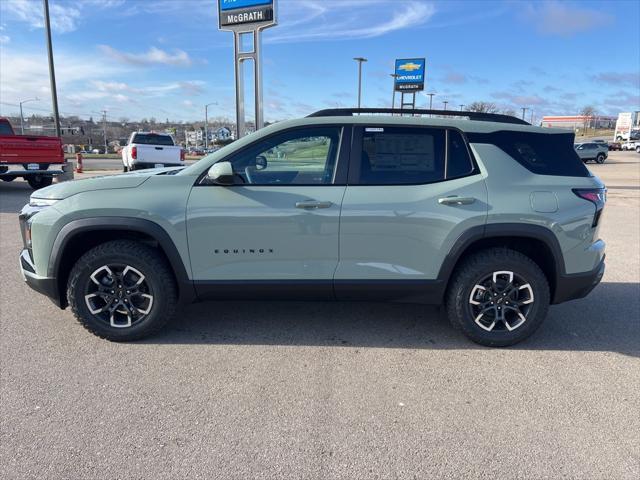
(600, 158)
(39, 181)
(498, 297)
(125, 168)
(122, 290)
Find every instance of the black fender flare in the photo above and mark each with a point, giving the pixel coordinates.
(495, 230)
(140, 225)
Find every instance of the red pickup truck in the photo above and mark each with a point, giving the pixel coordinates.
(36, 159)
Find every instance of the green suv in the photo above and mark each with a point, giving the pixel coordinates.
(486, 214)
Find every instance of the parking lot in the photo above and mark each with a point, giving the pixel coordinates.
(327, 390)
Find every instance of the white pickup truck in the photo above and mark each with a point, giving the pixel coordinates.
(151, 150)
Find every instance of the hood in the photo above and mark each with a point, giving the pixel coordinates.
(63, 190)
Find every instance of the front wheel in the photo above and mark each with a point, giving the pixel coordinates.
(600, 158)
(122, 290)
(39, 181)
(498, 297)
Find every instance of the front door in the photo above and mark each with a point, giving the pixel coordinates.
(276, 228)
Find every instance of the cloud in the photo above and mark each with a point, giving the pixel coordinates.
(4, 39)
(631, 79)
(556, 18)
(63, 17)
(309, 20)
(178, 58)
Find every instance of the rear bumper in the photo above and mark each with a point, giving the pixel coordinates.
(578, 285)
(146, 165)
(44, 285)
(19, 170)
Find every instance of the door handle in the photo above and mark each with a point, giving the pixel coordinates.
(455, 200)
(311, 204)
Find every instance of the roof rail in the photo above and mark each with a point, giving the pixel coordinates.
(486, 117)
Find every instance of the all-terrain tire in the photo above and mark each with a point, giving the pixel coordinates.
(143, 258)
(480, 265)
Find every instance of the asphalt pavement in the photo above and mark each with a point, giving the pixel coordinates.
(327, 390)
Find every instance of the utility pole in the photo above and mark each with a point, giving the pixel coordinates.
(360, 61)
(393, 86)
(22, 116)
(206, 124)
(524, 109)
(445, 104)
(104, 130)
(52, 73)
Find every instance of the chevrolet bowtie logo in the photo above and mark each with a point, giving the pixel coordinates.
(409, 67)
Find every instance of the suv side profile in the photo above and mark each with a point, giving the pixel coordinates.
(488, 215)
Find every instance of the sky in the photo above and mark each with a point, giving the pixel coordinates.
(167, 59)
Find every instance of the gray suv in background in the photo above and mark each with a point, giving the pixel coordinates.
(595, 151)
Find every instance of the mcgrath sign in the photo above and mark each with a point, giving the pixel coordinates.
(248, 13)
(410, 74)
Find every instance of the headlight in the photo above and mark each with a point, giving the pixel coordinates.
(42, 202)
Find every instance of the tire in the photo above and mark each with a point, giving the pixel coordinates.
(117, 316)
(467, 287)
(39, 181)
(125, 169)
(637, 149)
(600, 158)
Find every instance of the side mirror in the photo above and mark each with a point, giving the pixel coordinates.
(221, 173)
(261, 162)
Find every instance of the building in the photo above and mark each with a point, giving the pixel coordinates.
(573, 122)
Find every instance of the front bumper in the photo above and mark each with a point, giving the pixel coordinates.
(44, 285)
(578, 285)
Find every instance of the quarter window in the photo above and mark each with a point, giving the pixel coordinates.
(458, 160)
(296, 157)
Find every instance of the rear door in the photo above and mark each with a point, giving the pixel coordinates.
(275, 232)
(411, 193)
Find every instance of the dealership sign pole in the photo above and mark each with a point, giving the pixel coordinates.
(409, 78)
(247, 17)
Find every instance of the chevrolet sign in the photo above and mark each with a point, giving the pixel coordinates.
(249, 13)
(409, 74)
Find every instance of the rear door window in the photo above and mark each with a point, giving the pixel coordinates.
(400, 156)
(540, 153)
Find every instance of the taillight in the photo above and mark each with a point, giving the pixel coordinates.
(182, 155)
(134, 152)
(597, 196)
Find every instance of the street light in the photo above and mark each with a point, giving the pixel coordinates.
(430, 100)
(445, 104)
(21, 116)
(360, 61)
(206, 123)
(393, 95)
(461, 107)
(524, 109)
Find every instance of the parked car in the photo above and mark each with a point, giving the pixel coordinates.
(615, 146)
(37, 159)
(592, 151)
(629, 145)
(151, 150)
(489, 215)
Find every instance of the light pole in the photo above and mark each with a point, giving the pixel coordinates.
(52, 72)
(206, 124)
(461, 107)
(360, 61)
(21, 116)
(430, 100)
(393, 95)
(445, 105)
(524, 109)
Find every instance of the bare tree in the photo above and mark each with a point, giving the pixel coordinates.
(509, 112)
(588, 112)
(482, 107)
